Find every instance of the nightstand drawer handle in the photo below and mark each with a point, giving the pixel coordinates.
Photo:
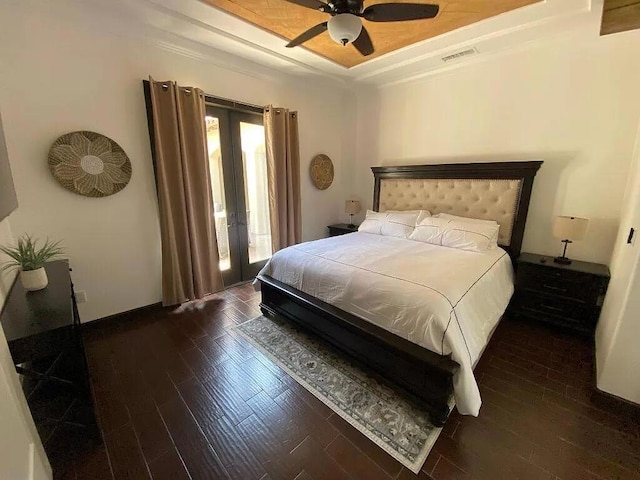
(551, 287)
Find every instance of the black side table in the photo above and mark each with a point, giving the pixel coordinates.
(341, 229)
(569, 296)
(43, 332)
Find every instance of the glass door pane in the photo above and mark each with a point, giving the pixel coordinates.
(223, 187)
(238, 169)
(254, 167)
(217, 184)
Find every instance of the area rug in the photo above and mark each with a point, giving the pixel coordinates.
(392, 421)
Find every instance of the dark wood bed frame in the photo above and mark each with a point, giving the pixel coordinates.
(425, 374)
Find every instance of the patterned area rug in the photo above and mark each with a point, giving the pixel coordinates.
(396, 424)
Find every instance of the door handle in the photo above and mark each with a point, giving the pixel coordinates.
(229, 225)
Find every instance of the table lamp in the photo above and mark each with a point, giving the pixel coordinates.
(569, 229)
(352, 207)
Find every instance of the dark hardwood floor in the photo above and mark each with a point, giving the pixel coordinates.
(180, 396)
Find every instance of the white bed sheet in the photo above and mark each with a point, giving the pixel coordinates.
(444, 299)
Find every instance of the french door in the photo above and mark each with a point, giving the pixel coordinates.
(238, 166)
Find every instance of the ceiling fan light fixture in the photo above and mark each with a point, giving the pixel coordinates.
(344, 28)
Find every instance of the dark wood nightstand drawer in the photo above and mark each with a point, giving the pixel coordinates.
(566, 295)
(571, 285)
(559, 309)
(341, 229)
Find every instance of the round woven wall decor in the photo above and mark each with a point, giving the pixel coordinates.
(89, 164)
(321, 171)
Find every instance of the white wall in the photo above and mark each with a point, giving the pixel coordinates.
(617, 353)
(18, 434)
(65, 69)
(574, 105)
(618, 370)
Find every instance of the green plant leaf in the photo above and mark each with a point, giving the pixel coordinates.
(28, 256)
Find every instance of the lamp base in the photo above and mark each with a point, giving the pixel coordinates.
(351, 225)
(562, 260)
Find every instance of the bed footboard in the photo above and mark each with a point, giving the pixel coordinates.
(423, 373)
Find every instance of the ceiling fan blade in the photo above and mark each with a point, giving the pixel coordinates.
(397, 12)
(314, 4)
(308, 35)
(363, 43)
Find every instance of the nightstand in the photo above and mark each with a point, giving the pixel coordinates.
(569, 296)
(340, 229)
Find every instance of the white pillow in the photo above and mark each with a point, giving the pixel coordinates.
(472, 236)
(465, 219)
(391, 223)
(480, 221)
(419, 212)
(373, 222)
(429, 230)
(423, 214)
(400, 224)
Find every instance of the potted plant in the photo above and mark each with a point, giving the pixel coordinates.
(30, 259)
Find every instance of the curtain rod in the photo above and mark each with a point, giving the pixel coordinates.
(225, 102)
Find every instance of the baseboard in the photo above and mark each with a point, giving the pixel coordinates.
(118, 317)
(622, 401)
(611, 396)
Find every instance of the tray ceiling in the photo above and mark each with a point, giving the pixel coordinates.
(289, 20)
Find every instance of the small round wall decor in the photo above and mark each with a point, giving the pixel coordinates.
(321, 171)
(89, 164)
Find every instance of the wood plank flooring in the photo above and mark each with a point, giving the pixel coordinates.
(180, 396)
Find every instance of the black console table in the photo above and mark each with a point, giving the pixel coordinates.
(43, 332)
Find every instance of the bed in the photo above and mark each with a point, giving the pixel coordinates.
(418, 314)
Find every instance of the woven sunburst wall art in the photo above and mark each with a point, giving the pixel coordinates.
(89, 164)
(321, 171)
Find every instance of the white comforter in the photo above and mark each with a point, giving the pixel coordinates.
(444, 299)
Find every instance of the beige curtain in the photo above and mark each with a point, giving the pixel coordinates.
(283, 169)
(189, 248)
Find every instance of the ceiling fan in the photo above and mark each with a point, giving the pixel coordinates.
(346, 27)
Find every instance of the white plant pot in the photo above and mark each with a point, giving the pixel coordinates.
(33, 280)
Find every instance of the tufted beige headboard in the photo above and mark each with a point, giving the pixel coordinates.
(497, 191)
(475, 198)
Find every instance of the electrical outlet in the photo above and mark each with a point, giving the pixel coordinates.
(81, 296)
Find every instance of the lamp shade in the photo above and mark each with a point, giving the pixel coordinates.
(344, 28)
(352, 206)
(570, 228)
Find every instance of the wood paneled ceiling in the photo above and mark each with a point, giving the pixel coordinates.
(620, 16)
(289, 20)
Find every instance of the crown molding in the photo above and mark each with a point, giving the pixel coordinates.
(571, 28)
(205, 25)
(538, 20)
(198, 30)
(206, 18)
(181, 35)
